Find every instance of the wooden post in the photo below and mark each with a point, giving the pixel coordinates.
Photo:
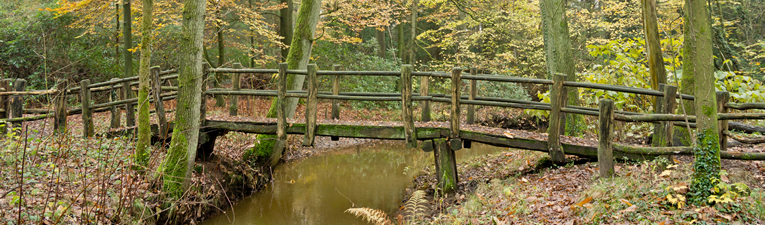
(473, 92)
(311, 108)
(446, 165)
(59, 107)
(203, 99)
(605, 148)
(159, 105)
(557, 98)
(16, 104)
(425, 91)
(722, 98)
(127, 93)
(407, 113)
(116, 114)
(234, 99)
(336, 102)
(4, 106)
(281, 114)
(662, 132)
(87, 113)
(455, 142)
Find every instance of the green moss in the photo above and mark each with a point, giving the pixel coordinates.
(706, 167)
(174, 167)
(709, 111)
(262, 150)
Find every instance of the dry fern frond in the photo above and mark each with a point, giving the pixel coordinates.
(375, 216)
(416, 205)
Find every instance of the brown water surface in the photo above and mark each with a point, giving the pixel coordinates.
(318, 189)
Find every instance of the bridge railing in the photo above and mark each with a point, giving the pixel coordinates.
(13, 93)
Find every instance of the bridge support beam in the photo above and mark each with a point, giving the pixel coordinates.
(87, 112)
(557, 100)
(455, 110)
(159, 105)
(605, 147)
(336, 102)
(446, 165)
(116, 114)
(662, 132)
(4, 109)
(311, 108)
(127, 93)
(406, 106)
(233, 108)
(425, 91)
(59, 107)
(281, 115)
(722, 98)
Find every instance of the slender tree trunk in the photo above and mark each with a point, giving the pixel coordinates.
(298, 57)
(698, 64)
(285, 26)
(178, 163)
(144, 76)
(117, 32)
(219, 102)
(655, 58)
(380, 36)
(559, 55)
(413, 41)
(400, 40)
(127, 33)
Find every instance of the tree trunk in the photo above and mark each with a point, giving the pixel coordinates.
(117, 33)
(219, 102)
(413, 41)
(698, 64)
(178, 164)
(400, 41)
(128, 34)
(298, 57)
(653, 46)
(141, 156)
(285, 27)
(380, 36)
(559, 55)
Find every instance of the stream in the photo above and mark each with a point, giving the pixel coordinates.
(318, 189)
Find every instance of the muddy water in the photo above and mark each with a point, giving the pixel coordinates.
(318, 190)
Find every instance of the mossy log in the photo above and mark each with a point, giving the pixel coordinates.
(745, 106)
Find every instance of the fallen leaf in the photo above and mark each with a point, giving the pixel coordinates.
(585, 201)
(666, 173)
(629, 209)
(625, 202)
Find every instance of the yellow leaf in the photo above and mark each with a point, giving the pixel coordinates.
(666, 173)
(625, 202)
(585, 201)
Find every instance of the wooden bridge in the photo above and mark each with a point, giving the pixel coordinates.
(442, 138)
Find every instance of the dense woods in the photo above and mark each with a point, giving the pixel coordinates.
(711, 52)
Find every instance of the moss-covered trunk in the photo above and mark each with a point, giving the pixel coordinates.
(178, 163)
(400, 40)
(144, 74)
(380, 36)
(127, 33)
(298, 57)
(559, 55)
(413, 42)
(285, 26)
(219, 102)
(698, 64)
(655, 58)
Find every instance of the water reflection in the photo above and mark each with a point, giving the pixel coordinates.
(317, 190)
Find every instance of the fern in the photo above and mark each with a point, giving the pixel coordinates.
(416, 205)
(375, 216)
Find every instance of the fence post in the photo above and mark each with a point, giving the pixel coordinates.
(662, 132)
(281, 115)
(406, 106)
(4, 106)
(115, 111)
(473, 91)
(159, 105)
(203, 99)
(311, 106)
(722, 98)
(557, 98)
(336, 102)
(425, 91)
(605, 147)
(455, 141)
(127, 93)
(59, 107)
(16, 104)
(446, 165)
(234, 99)
(87, 113)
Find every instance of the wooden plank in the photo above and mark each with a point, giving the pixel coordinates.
(446, 166)
(235, 70)
(59, 108)
(129, 110)
(557, 100)
(605, 138)
(159, 106)
(116, 113)
(281, 115)
(662, 132)
(427, 146)
(745, 106)
(407, 115)
(723, 97)
(455, 107)
(87, 113)
(424, 91)
(336, 102)
(311, 109)
(610, 87)
(509, 79)
(233, 108)
(4, 106)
